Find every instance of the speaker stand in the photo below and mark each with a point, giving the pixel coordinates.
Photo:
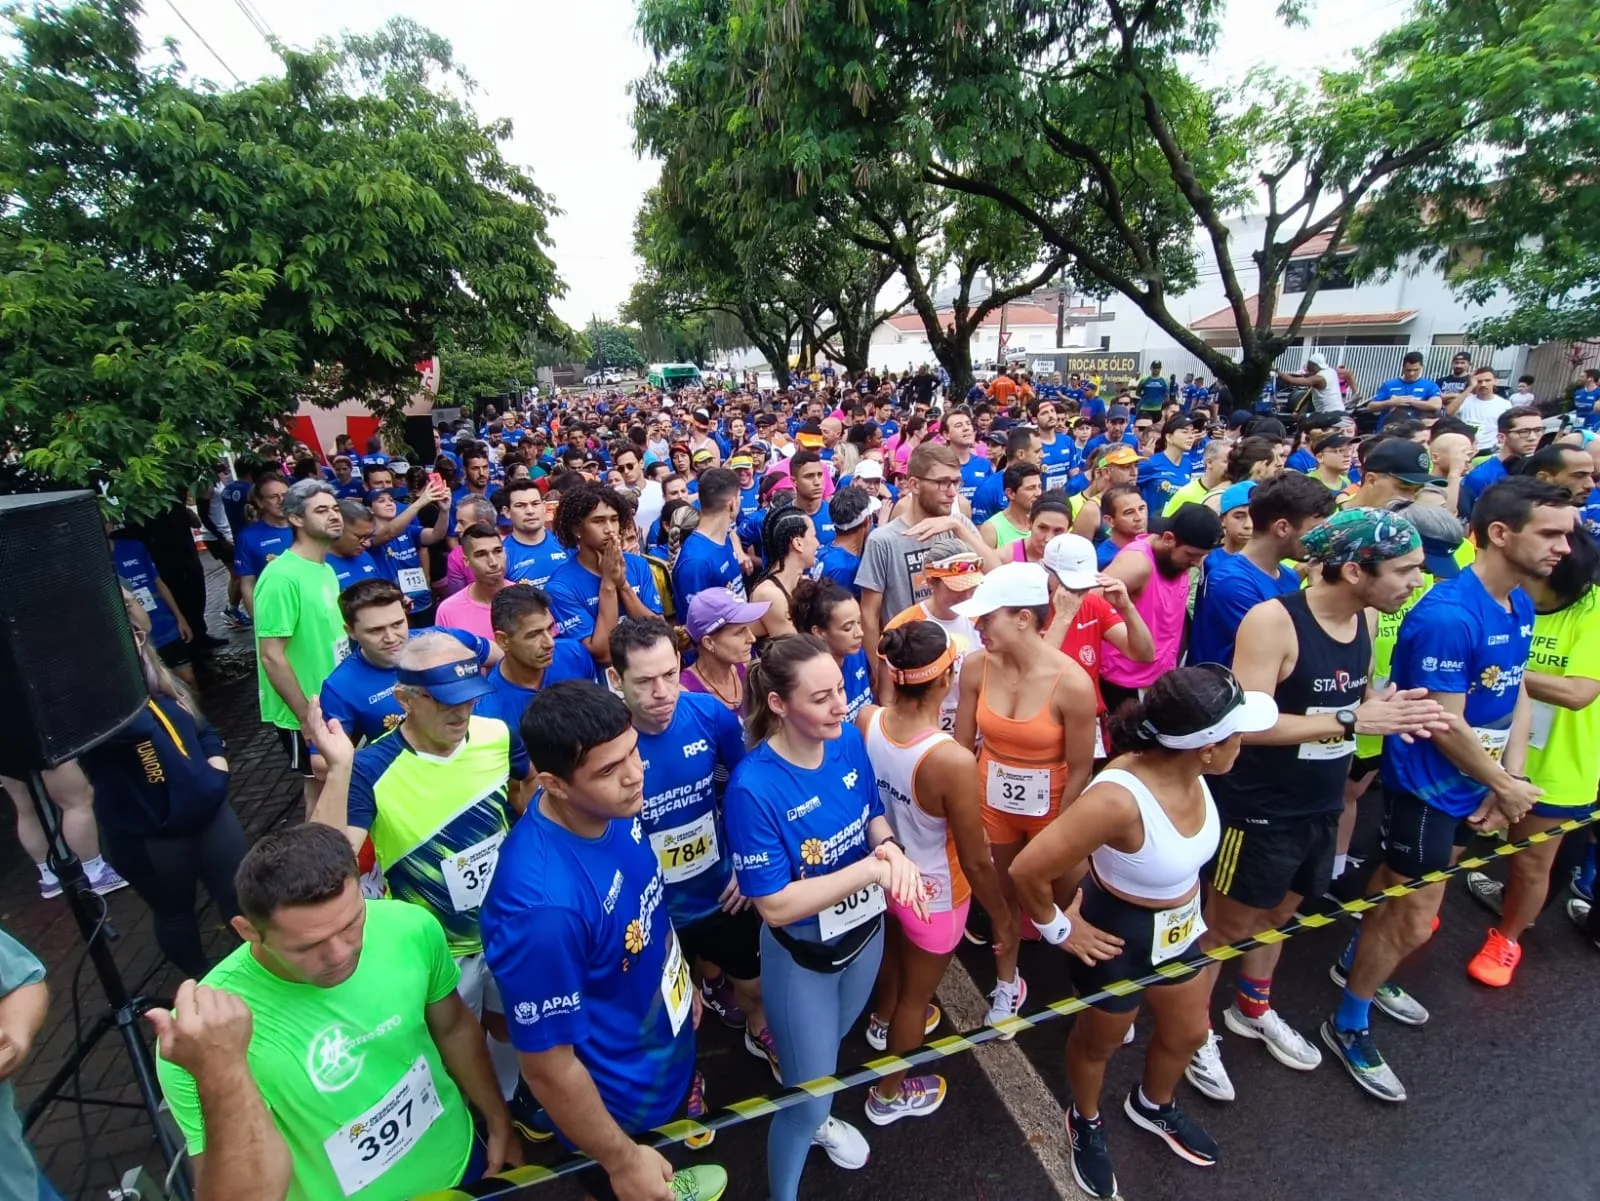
(123, 1011)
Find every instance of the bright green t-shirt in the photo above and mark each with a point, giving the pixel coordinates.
(1369, 746)
(1564, 745)
(298, 600)
(1194, 492)
(1004, 532)
(350, 1074)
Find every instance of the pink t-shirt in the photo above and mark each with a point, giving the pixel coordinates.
(1163, 605)
(460, 612)
(456, 575)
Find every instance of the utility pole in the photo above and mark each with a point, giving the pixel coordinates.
(1061, 311)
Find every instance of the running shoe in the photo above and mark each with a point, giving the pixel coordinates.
(1284, 1042)
(1495, 964)
(529, 1117)
(1364, 1062)
(1583, 880)
(717, 996)
(704, 1182)
(1391, 998)
(1578, 910)
(106, 879)
(918, 1097)
(1206, 1073)
(1006, 1001)
(1183, 1135)
(49, 885)
(695, 1110)
(1091, 1162)
(878, 1029)
(236, 618)
(764, 1046)
(845, 1145)
(1488, 892)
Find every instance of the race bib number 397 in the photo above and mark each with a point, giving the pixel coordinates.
(362, 1150)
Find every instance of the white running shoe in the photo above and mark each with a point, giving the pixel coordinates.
(1284, 1042)
(1206, 1073)
(845, 1145)
(1006, 1000)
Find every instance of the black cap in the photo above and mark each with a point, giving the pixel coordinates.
(1407, 461)
(1197, 526)
(1331, 442)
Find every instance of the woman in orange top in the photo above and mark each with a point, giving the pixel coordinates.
(1035, 709)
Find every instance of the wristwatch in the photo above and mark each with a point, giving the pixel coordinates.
(1347, 719)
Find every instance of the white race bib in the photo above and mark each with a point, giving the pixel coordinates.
(1544, 716)
(467, 873)
(687, 850)
(412, 580)
(1100, 739)
(851, 912)
(1338, 747)
(1493, 741)
(146, 599)
(341, 649)
(1176, 929)
(362, 1150)
(675, 985)
(1024, 791)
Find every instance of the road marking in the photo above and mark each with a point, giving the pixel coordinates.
(1028, 1100)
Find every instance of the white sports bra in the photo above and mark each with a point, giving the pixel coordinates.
(1166, 867)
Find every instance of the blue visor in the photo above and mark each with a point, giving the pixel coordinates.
(1439, 560)
(448, 683)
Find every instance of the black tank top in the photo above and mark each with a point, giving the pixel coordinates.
(1272, 784)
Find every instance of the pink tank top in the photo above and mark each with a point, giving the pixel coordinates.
(1163, 605)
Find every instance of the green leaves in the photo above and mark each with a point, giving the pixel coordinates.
(180, 266)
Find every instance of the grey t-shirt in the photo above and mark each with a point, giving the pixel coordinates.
(18, 1176)
(891, 563)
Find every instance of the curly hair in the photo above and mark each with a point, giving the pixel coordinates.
(580, 501)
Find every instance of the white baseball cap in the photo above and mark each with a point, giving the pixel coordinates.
(869, 469)
(1009, 586)
(1072, 559)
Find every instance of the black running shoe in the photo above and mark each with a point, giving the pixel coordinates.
(1091, 1162)
(529, 1117)
(1174, 1127)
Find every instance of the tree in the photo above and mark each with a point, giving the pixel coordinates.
(180, 265)
(1079, 119)
(612, 345)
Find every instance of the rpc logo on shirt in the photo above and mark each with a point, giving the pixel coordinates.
(696, 748)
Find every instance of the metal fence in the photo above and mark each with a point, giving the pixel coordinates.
(1371, 365)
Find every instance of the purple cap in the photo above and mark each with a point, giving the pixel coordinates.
(714, 608)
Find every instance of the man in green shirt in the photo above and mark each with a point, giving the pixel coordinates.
(24, 1001)
(328, 1056)
(300, 636)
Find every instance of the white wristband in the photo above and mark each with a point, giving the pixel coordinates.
(1057, 930)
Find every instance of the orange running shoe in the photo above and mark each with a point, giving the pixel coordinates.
(1496, 962)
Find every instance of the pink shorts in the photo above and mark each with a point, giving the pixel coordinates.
(940, 934)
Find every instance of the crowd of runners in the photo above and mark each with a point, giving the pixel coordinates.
(629, 709)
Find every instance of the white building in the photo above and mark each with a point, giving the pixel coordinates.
(901, 343)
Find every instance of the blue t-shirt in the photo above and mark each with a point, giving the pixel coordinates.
(749, 501)
(1477, 481)
(235, 496)
(1058, 459)
(577, 936)
(1153, 394)
(989, 499)
(400, 560)
(836, 563)
(822, 522)
(1233, 586)
(1422, 389)
(1302, 461)
(1159, 477)
(1092, 407)
(259, 544)
(973, 472)
(857, 681)
(1585, 402)
(1458, 639)
(354, 569)
(1590, 513)
(574, 593)
(703, 565)
(537, 563)
(685, 767)
(1129, 439)
(354, 490)
(788, 823)
(568, 661)
(136, 569)
(1106, 551)
(361, 696)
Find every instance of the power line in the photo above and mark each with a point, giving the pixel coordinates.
(257, 22)
(201, 37)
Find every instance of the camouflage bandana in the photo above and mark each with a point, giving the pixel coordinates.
(1361, 536)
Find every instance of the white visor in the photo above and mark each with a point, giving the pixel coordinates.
(1257, 712)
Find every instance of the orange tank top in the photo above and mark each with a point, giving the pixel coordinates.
(1022, 761)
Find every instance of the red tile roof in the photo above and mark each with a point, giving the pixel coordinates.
(1222, 319)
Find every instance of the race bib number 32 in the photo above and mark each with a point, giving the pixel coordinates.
(1024, 791)
(366, 1148)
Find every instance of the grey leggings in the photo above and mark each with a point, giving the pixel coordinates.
(809, 1014)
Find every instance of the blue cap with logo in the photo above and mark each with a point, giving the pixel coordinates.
(453, 683)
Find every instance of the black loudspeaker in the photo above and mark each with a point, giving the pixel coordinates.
(419, 442)
(69, 671)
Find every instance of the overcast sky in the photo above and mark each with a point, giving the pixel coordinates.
(559, 69)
